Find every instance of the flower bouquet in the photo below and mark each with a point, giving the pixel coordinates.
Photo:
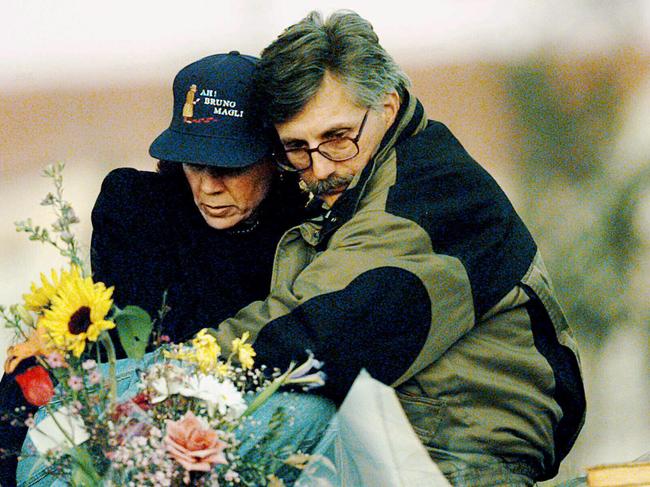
(181, 414)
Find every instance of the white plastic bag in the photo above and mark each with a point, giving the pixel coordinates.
(370, 442)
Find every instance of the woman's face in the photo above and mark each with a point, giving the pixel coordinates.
(226, 197)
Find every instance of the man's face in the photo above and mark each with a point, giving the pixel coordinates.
(227, 197)
(332, 113)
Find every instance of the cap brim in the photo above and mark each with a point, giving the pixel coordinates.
(212, 151)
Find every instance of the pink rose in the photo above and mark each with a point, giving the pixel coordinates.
(193, 444)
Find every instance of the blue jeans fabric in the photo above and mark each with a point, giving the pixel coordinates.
(311, 415)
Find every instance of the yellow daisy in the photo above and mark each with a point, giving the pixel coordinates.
(78, 313)
(178, 353)
(244, 351)
(222, 369)
(205, 341)
(40, 298)
(206, 350)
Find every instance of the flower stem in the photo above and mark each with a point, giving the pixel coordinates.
(110, 352)
(50, 411)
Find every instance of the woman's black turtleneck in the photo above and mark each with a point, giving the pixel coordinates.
(149, 238)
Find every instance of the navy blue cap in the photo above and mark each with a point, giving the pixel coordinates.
(213, 122)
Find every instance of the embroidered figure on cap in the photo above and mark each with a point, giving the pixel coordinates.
(188, 108)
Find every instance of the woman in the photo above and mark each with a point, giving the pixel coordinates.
(196, 239)
(149, 240)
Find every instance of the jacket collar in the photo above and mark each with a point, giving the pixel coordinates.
(410, 120)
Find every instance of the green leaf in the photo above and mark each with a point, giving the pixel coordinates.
(213, 332)
(83, 471)
(134, 327)
(271, 389)
(80, 476)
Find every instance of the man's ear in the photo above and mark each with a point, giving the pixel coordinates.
(391, 107)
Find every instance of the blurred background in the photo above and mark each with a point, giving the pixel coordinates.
(552, 98)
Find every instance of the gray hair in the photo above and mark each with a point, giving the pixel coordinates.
(292, 67)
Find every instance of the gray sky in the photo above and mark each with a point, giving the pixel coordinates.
(82, 42)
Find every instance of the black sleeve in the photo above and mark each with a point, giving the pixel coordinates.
(127, 245)
(128, 248)
(379, 322)
(12, 428)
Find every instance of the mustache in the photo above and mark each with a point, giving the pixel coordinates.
(324, 186)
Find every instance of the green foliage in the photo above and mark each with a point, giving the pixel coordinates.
(83, 468)
(134, 327)
(581, 217)
(60, 234)
(621, 236)
(258, 466)
(563, 133)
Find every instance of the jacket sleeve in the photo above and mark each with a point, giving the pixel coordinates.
(126, 250)
(378, 298)
(12, 427)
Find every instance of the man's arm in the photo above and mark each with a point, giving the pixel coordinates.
(377, 298)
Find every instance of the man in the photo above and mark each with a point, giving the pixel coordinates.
(417, 269)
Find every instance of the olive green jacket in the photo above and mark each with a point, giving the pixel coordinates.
(423, 274)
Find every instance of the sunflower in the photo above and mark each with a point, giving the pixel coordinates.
(78, 313)
(40, 298)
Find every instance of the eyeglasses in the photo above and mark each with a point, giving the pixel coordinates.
(338, 150)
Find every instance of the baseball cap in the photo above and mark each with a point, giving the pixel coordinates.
(213, 121)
